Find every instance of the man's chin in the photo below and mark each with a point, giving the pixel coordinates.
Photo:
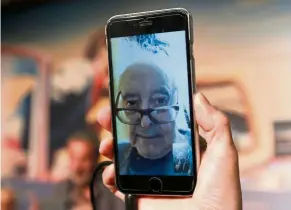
(149, 149)
(152, 156)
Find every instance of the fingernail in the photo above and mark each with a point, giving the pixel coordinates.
(99, 115)
(203, 102)
(203, 111)
(101, 147)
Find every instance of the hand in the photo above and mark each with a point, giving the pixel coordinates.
(218, 184)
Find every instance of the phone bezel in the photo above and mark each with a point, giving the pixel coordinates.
(163, 21)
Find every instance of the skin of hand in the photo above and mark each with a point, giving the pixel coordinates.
(218, 183)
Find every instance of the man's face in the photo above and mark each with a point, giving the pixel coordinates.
(145, 88)
(82, 162)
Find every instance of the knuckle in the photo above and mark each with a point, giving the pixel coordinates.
(104, 177)
(221, 120)
(107, 175)
(222, 131)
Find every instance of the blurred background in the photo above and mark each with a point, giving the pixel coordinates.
(54, 81)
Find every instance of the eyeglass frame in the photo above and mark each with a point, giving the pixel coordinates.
(143, 112)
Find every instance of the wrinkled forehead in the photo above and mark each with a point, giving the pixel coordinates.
(145, 79)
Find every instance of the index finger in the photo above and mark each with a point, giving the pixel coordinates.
(104, 118)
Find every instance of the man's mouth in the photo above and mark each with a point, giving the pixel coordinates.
(147, 136)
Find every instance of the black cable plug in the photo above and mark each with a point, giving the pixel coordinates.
(130, 200)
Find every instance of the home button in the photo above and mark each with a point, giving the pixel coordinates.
(155, 184)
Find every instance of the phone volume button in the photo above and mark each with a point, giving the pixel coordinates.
(193, 74)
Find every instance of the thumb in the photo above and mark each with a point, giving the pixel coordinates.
(212, 123)
(203, 112)
(218, 176)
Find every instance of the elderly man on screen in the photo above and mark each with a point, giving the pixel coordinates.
(147, 102)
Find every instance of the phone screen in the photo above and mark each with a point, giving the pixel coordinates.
(152, 112)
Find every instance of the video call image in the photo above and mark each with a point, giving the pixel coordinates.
(152, 104)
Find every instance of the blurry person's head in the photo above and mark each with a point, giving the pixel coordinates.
(96, 52)
(153, 95)
(96, 45)
(60, 165)
(8, 199)
(83, 151)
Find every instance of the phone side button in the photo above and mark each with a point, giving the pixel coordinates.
(155, 184)
(193, 74)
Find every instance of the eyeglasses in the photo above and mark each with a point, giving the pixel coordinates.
(159, 115)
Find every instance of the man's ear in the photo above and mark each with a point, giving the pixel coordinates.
(175, 95)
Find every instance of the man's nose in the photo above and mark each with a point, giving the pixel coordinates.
(145, 121)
